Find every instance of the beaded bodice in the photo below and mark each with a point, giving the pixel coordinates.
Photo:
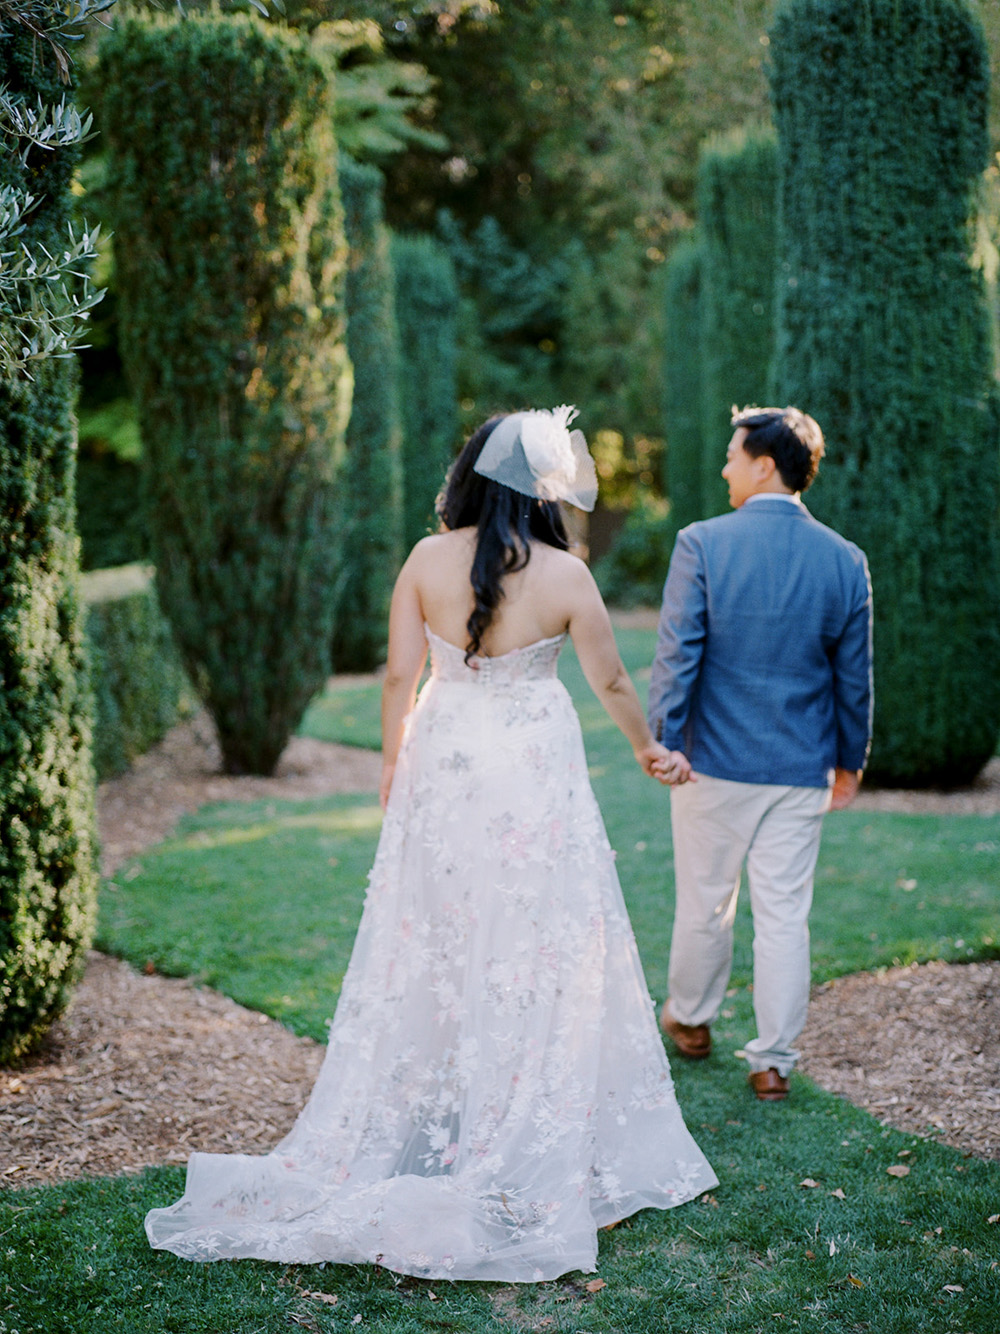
(533, 662)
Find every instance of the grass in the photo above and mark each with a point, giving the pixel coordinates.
(262, 902)
(351, 714)
(925, 887)
(762, 1252)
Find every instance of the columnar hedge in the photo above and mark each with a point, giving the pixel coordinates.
(737, 218)
(683, 383)
(883, 335)
(427, 300)
(372, 495)
(47, 875)
(230, 257)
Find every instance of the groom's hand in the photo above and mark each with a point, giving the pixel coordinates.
(845, 788)
(672, 767)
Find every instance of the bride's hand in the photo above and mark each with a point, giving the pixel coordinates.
(666, 765)
(671, 767)
(648, 756)
(385, 784)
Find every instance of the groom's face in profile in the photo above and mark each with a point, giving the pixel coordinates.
(740, 470)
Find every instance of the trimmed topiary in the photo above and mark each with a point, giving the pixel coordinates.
(427, 302)
(683, 384)
(230, 259)
(737, 219)
(48, 880)
(884, 336)
(138, 683)
(372, 495)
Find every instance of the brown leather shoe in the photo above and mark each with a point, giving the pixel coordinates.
(768, 1085)
(692, 1040)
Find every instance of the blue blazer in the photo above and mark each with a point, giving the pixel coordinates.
(763, 670)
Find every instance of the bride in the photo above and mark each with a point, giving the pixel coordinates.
(495, 1087)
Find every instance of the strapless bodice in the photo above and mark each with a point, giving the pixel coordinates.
(533, 662)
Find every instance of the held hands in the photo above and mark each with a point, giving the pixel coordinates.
(670, 767)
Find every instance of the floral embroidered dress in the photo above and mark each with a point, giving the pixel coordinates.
(495, 1087)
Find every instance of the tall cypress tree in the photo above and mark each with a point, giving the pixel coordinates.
(427, 312)
(683, 383)
(47, 873)
(372, 494)
(737, 218)
(230, 257)
(883, 335)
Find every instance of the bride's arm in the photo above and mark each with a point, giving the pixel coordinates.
(594, 641)
(407, 655)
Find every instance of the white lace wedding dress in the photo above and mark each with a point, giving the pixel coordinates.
(495, 1087)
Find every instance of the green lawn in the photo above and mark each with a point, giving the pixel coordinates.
(352, 715)
(262, 902)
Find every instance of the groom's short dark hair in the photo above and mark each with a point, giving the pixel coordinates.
(790, 437)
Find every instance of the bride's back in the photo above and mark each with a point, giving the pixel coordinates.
(536, 601)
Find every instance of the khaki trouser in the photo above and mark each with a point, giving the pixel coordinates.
(717, 826)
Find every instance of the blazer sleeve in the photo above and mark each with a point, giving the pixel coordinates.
(680, 643)
(852, 677)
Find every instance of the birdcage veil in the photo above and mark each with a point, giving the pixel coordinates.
(536, 454)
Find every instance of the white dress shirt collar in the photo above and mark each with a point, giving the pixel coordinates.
(795, 498)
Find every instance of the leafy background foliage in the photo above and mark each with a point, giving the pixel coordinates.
(427, 306)
(370, 513)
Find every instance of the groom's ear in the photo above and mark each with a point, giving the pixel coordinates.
(764, 467)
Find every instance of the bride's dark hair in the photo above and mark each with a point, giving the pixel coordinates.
(505, 520)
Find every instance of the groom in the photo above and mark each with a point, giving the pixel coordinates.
(762, 690)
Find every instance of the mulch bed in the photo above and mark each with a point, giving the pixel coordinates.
(143, 1069)
(917, 1047)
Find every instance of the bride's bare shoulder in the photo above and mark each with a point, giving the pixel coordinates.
(563, 564)
(448, 540)
(439, 551)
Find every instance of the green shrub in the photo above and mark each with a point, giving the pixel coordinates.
(47, 877)
(682, 383)
(884, 336)
(138, 683)
(110, 518)
(737, 218)
(230, 256)
(427, 314)
(372, 495)
(633, 572)
(987, 255)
